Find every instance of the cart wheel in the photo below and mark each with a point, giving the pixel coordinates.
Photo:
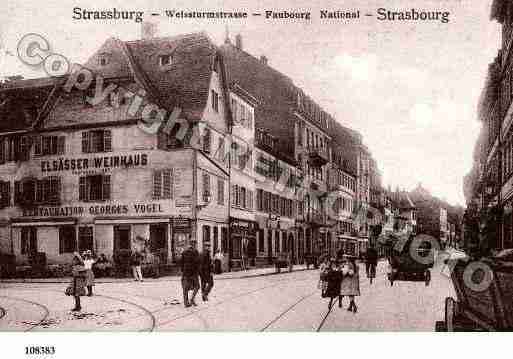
(451, 310)
(428, 277)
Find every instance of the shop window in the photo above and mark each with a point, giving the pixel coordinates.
(85, 238)
(5, 194)
(276, 241)
(220, 191)
(236, 247)
(206, 237)
(28, 240)
(158, 237)
(224, 239)
(216, 239)
(94, 188)
(67, 239)
(261, 241)
(122, 237)
(96, 141)
(163, 184)
(49, 145)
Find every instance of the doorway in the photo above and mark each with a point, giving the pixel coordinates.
(158, 241)
(122, 238)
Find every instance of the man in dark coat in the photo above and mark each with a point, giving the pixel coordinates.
(190, 273)
(205, 272)
(371, 261)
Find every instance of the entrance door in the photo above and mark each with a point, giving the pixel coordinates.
(158, 241)
(291, 247)
(122, 238)
(29, 241)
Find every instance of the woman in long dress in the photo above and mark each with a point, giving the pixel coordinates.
(350, 285)
(88, 265)
(78, 283)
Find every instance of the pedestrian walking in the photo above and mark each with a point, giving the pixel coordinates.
(333, 280)
(323, 279)
(371, 262)
(350, 285)
(205, 272)
(88, 265)
(136, 261)
(76, 288)
(190, 274)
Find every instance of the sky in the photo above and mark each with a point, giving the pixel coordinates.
(410, 88)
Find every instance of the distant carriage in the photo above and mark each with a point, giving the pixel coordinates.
(484, 305)
(406, 262)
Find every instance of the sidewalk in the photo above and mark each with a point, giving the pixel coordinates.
(257, 272)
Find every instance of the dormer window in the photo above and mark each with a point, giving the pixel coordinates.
(103, 59)
(165, 60)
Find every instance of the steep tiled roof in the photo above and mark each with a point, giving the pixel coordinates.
(274, 92)
(20, 103)
(184, 83)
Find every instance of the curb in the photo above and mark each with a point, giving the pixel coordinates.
(161, 279)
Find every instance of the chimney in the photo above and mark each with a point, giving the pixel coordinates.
(148, 30)
(263, 59)
(238, 41)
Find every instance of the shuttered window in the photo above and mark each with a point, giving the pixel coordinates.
(97, 141)
(163, 184)
(206, 187)
(94, 188)
(5, 194)
(220, 191)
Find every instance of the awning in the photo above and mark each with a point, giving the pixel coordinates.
(40, 222)
(131, 220)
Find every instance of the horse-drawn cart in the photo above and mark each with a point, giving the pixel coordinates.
(484, 291)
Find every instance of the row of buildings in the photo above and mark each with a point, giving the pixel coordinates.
(255, 167)
(488, 187)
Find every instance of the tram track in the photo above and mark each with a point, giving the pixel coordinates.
(282, 314)
(145, 310)
(45, 309)
(192, 312)
(323, 320)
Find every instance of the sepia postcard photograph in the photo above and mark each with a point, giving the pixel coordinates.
(255, 166)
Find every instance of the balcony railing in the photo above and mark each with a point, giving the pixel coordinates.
(317, 156)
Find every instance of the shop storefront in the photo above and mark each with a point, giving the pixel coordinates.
(242, 240)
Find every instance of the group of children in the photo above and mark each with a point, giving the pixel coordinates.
(339, 278)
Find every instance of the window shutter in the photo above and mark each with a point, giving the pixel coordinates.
(17, 192)
(40, 191)
(107, 141)
(166, 184)
(157, 184)
(86, 142)
(38, 146)
(250, 202)
(82, 193)
(233, 195)
(61, 144)
(55, 189)
(106, 187)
